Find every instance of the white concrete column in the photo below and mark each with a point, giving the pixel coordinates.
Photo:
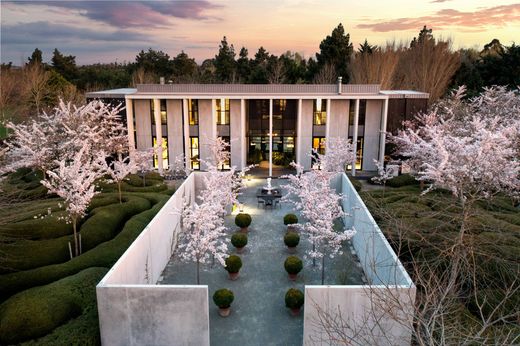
(327, 123)
(299, 131)
(270, 137)
(354, 136)
(158, 133)
(129, 105)
(186, 125)
(214, 118)
(382, 137)
(243, 144)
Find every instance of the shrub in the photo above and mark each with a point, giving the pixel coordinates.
(291, 239)
(402, 180)
(38, 311)
(103, 255)
(223, 298)
(243, 220)
(293, 265)
(239, 240)
(233, 264)
(356, 183)
(294, 298)
(290, 219)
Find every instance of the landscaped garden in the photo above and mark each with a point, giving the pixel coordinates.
(46, 296)
(258, 311)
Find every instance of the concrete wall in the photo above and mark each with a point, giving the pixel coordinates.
(338, 122)
(372, 134)
(207, 130)
(132, 309)
(175, 129)
(143, 124)
(378, 313)
(236, 134)
(306, 135)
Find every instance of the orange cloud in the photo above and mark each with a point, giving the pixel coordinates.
(477, 21)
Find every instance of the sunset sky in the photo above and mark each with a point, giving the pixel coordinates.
(106, 31)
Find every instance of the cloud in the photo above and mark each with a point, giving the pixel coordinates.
(126, 14)
(37, 32)
(476, 21)
(438, 1)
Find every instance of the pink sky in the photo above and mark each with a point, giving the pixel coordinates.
(103, 31)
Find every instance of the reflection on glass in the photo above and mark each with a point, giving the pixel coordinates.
(194, 153)
(164, 152)
(320, 112)
(193, 112)
(222, 109)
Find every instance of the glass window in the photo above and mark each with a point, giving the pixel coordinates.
(164, 118)
(152, 115)
(222, 109)
(362, 112)
(194, 153)
(318, 146)
(320, 112)
(193, 112)
(164, 152)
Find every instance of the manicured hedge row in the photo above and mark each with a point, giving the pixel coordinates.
(402, 180)
(103, 225)
(103, 255)
(38, 311)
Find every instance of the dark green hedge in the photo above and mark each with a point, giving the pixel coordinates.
(38, 311)
(402, 180)
(102, 226)
(103, 255)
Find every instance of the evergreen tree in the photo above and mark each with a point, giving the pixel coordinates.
(243, 65)
(154, 61)
(336, 50)
(65, 65)
(366, 48)
(259, 73)
(184, 68)
(36, 57)
(425, 35)
(225, 63)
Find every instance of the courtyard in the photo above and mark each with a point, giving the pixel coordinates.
(258, 313)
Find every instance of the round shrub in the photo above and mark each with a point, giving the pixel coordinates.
(291, 239)
(233, 264)
(239, 240)
(290, 219)
(293, 265)
(223, 298)
(243, 220)
(294, 298)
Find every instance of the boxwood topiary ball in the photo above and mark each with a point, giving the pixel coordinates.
(294, 298)
(293, 265)
(243, 220)
(233, 264)
(223, 298)
(291, 239)
(290, 219)
(239, 240)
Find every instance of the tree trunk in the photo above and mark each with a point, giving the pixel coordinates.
(119, 190)
(323, 269)
(198, 271)
(313, 258)
(458, 247)
(76, 241)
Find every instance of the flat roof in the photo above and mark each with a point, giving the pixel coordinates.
(257, 91)
(111, 93)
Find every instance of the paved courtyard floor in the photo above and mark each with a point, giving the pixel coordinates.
(258, 314)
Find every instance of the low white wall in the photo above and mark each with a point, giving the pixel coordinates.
(135, 311)
(378, 313)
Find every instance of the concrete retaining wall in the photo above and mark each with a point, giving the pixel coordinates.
(135, 311)
(378, 313)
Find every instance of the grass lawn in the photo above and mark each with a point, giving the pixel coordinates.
(429, 223)
(45, 297)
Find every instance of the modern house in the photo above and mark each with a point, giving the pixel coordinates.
(266, 124)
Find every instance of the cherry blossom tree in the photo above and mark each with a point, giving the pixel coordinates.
(383, 174)
(73, 181)
(119, 169)
(319, 204)
(470, 148)
(203, 222)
